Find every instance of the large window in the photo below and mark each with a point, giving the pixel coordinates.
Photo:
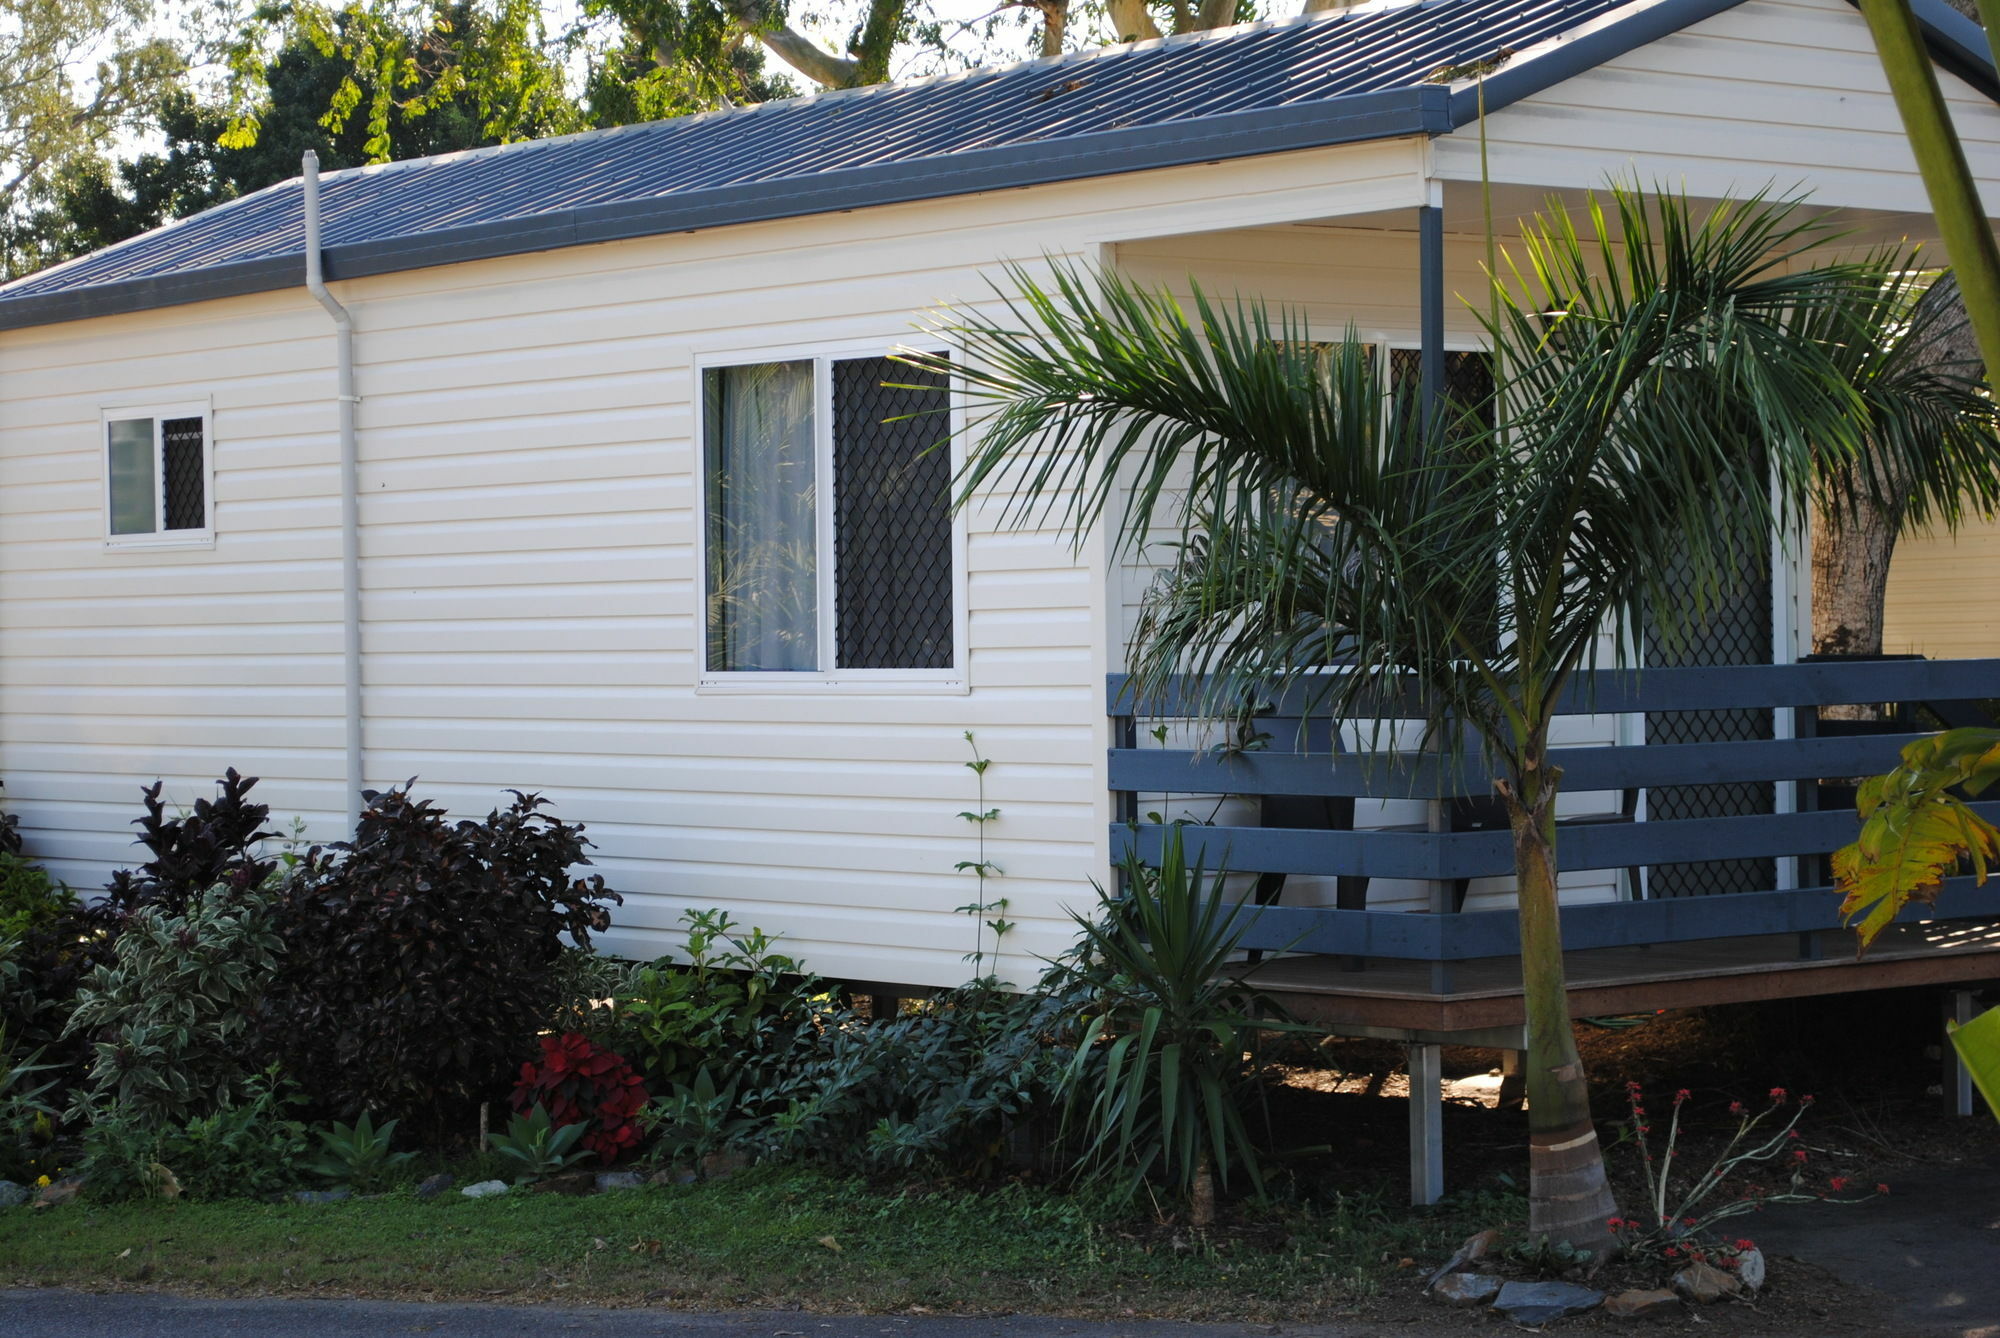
(156, 475)
(827, 529)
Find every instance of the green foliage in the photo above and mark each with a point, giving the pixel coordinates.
(27, 1120)
(588, 986)
(421, 959)
(1978, 1046)
(360, 1154)
(1916, 828)
(540, 1146)
(736, 1003)
(1156, 1085)
(29, 898)
(477, 71)
(170, 1017)
(987, 911)
(696, 1121)
(247, 1149)
(934, 1090)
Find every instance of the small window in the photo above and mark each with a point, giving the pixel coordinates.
(156, 468)
(827, 529)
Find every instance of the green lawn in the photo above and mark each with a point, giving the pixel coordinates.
(763, 1238)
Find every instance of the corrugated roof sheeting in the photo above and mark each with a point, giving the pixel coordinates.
(1159, 84)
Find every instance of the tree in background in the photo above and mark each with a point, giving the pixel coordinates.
(73, 74)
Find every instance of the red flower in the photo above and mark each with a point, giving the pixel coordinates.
(1806, 1100)
(1839, 1183)
(1744, 1243)
(1798, 1154)
(1736, 1108)
(1777, 1096)
(1682, 1095)
(1671, 1252)
(1881, 1189)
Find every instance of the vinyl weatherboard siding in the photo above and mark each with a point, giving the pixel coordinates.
(530, 598)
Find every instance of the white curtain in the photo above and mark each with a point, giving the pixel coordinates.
(763, 569)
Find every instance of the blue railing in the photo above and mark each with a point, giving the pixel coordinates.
(1441, 857)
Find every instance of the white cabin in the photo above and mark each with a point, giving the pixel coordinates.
(535, 331)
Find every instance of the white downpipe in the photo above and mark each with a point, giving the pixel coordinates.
(350, 508)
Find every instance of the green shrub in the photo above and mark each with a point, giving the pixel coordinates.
(588, 986)
(933, 1090)
(538, 1146)
(248, 1149)
(170, 1018)
(421, 959)
(1155, 1088)
(29, 898)
(735, 1007)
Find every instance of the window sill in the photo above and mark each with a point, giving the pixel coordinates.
(152, 542)
(796, 684)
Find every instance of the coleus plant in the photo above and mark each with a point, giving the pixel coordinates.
(580, 1082)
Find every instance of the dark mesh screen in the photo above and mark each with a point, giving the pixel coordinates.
(892, 516)
(1738, 631)
(1468, 381)
(187, 507)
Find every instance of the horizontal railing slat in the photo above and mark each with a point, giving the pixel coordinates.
(1474, 934)
(1715, 687)
(1431, 776)
(1447, 855)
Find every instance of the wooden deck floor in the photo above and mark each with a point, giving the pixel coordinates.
(1485, 994)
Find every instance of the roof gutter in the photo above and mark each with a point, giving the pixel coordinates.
(350, 504)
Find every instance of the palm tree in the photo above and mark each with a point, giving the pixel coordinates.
(1683, 393)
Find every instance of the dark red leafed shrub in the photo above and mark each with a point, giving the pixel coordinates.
(580, 1082)
(420, 959)
(213, 844)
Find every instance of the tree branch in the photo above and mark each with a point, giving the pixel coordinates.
(1132, 20)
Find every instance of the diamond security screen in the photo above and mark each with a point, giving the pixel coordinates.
(180, 460)
(892, 516)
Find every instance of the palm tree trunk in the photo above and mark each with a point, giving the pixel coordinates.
(1201, 1198)
(1569, 1198)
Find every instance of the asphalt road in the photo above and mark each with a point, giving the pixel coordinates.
(63, 1314)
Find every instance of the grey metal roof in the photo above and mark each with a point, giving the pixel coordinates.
(1324, 79)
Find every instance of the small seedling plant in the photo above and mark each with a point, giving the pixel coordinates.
(1682, 1217)
(987, 910)
(539, 1145)
(360, 1154)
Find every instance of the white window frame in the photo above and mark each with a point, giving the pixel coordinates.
(159, 411)
(824, 680)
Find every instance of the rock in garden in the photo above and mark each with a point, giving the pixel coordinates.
(1466, 1289)
(721, 1165)
(62, 1191)
(321, 1196)
(1529, 1303)
(1472, 1251)
(1705, 1283)
(611, 1180)
(12, 1195)
(672, 1175)
(1750, 1269)
(484, 1189)
(434, 1186)
(1641, 1304)
(574, 1184)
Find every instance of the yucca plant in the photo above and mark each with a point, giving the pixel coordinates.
(1672, 399)
(1154, 1090)
(539, 1145)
